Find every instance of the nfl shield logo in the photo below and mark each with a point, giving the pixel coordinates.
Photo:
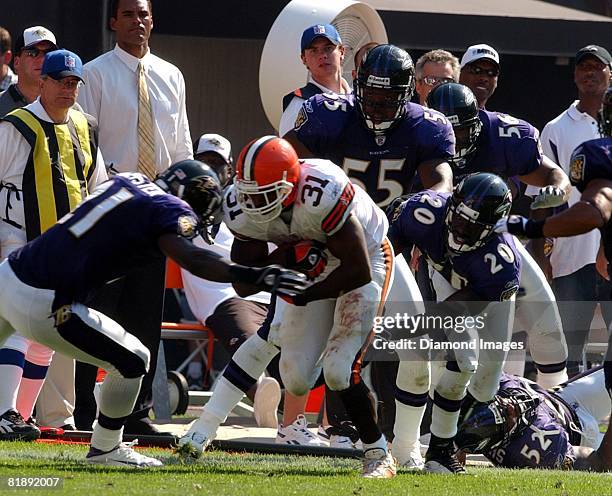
(69, 61)
(380, 139)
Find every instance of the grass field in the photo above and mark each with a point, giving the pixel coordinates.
(219, 473)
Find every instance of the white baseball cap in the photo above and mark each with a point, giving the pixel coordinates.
(215, 143)
(477, 52)
(33, 35)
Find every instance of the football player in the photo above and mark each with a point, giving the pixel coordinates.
(591, 173)
(471, 263)
(277, 198)
(498, 143)
(378, 137)
(124, 223)
(509, 147)
(381, 140)
(528, 427)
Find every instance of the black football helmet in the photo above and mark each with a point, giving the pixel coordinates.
(493, 425)
(605, 114)
(383, 86)
(478, 203)
(198, 185)
(459, 105)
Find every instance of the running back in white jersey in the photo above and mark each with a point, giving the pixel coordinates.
(325, 198)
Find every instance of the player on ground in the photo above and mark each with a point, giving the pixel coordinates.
(278, 199)
(529, 427)
(124, 223)
(471, 264)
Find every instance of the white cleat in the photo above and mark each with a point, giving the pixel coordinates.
(193, 444)
(298, 434)
(265, 403)
(122, 456)
(409, 457)
(378, 464)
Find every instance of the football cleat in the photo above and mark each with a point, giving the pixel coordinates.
(378, 464)
(193, 444)
(14, 428)
(409, 456)
(344, 436)
(265, 403)
(123, 455)
(442, 461)
(298, 434)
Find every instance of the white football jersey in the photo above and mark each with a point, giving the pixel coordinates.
(325, 198)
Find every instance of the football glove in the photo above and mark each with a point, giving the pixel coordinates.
(549, 196)
(280, 281)
(520, 227)
(308, 257)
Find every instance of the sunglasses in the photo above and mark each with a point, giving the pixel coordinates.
(67, 84)
(35, 52)
(477, 71)
(435, 80)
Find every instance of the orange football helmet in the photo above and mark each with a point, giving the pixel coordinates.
(267, 173)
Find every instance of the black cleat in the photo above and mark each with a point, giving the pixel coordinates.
(14, 428)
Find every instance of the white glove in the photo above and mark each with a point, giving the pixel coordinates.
(549, 196)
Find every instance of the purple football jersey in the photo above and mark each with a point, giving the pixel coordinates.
(491, 271)
(506, 146)
(547, 441)
(332, 127)
(115, 229)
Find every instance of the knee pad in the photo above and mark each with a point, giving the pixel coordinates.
(337, 379)
(297, 380)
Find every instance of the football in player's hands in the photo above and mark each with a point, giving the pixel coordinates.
(307, 256)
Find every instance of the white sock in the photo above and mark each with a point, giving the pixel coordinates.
(380, 444)
(9, 386)
(407, 428)
(223, 400)
(105, 439)
(553, 379)
(443, 423)
(118, 395)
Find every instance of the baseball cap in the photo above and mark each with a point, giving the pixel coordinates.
(595, 51)
(477, 52)
(214, 143)
(59, 64)
(33, 35)
(325, 30)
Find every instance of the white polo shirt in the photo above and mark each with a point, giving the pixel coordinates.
(560, 137)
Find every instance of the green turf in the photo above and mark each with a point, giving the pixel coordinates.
(219, 473)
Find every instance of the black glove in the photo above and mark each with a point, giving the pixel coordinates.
(276, 279)
(521, 227)
(272, 278)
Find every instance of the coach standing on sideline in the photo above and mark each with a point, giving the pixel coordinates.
(139, 101)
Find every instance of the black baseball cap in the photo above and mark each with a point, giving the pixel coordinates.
(594, 51)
